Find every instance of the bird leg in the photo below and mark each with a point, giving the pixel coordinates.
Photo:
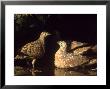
(33, 65)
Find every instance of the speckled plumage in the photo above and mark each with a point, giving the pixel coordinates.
(79, 47)
(63, 59)
(75, 44)
(36, 49)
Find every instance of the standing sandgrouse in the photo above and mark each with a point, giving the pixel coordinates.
(36, 49)
(63, 59)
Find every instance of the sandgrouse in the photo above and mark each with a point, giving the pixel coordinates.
(92, 54)
(36, 49)
(79, 47)
(64, 59)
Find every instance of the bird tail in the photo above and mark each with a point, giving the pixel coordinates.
(20, 57)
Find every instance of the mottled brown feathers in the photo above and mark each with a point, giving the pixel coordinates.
(63, 59)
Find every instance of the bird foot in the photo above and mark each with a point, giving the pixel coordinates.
(35, 70)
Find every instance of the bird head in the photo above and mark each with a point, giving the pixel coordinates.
(44, 34)
(62, 43)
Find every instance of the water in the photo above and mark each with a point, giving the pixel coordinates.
(46, 68)
(23, 71)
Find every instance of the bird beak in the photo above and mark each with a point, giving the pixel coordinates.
(49, 34)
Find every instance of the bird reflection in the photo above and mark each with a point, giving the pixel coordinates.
(74, 72)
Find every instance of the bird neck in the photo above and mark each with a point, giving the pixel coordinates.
(63, 49)
(42, 39)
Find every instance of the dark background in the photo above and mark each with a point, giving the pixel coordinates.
(80, 27)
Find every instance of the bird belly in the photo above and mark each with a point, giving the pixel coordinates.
(69, 60)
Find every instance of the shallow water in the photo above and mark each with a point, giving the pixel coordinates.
(21, 71)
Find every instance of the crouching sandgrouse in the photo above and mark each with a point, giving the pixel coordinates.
(64, 59)
(36, 49)
(79, 47)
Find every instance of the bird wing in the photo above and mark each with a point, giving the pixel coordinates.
(33, 49)
(26, 48)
